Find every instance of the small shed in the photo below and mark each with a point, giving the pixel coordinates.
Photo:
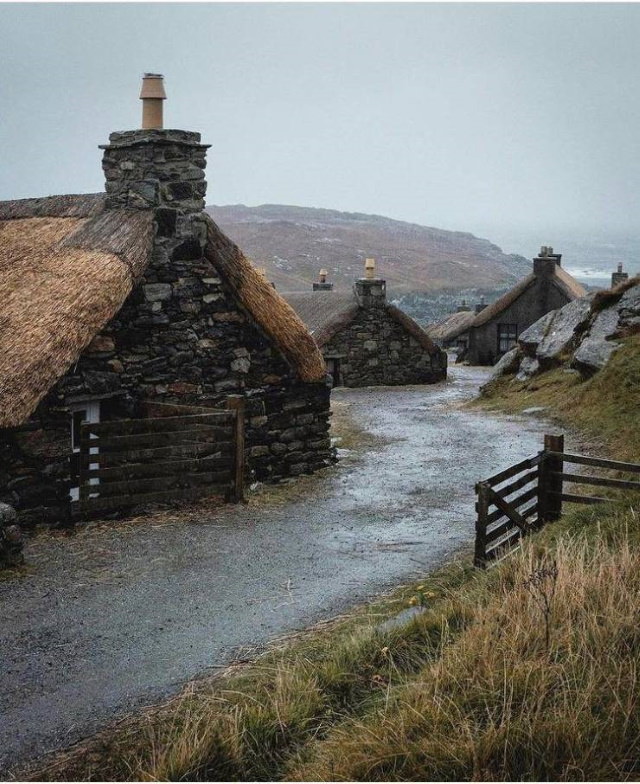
(365, 340)
(496, 328)
(134, 337)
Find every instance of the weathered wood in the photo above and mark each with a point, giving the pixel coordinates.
(154, 409)
(583, 499)
(517, 502)
(177, 451)
(600, 481)
(598, 462)
(237, 403)
(526, 479)
(509, 510)
(159, 468)
(203, 434)
(530, 462)
(482, 506)
(123, 427)
(550, 483)
(507, 539)
(177, 482)
(498, 528)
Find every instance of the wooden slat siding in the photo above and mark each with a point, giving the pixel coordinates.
(124, 427)
(571, 498)
(509, 538)
(530, 462)
(99, 505)
(153, 409)
(527, 512)
(509, 510)
(84, 461)
(550, 484)
(482, 506)
(236, 403)
(177, 483)
(516, 502)
(164, 468)
(600, 481)
(115, 459)
(524, 480)
(599, 462)
(203, 434)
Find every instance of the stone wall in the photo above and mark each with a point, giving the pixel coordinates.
(375, 349)
(181, 337)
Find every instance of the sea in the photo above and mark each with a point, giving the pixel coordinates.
(589, 257)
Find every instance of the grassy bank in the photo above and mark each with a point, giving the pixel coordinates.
(526, 672)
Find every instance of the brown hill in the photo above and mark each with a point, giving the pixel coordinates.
(293, 243)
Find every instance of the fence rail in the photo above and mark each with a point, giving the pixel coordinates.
(504, 519)
(172, 454)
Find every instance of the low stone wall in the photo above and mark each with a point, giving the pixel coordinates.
(374, 349)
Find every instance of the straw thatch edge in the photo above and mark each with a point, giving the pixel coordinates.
(271, 311)
(81, 205)
(340, 321)
(413, 328)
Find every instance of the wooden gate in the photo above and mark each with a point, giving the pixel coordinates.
(503, 518)
(138, 461)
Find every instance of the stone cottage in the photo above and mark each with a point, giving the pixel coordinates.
(365, 340)
(118, 301)
(495, 329)
(452, 332)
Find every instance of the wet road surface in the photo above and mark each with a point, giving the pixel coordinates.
(122, 615)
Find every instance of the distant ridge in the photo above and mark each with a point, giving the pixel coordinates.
(293, 243)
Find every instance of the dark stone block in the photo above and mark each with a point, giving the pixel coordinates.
(166, 221)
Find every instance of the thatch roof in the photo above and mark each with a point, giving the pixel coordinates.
(327, 312)
(66, 268)
(450, 327)
(63, 275)
(561, 279)
(276, 317)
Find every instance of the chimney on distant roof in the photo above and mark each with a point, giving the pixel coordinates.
(480, 306)
(152, 95)
(321, 284)
(619, 276)
(545, 263)
(370, 291)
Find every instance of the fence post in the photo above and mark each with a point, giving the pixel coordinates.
(482, 511)
(237, 403)
(550, 486)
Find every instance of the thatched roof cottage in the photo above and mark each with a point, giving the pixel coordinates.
(365, 340)
(130, 305)
(496, 328)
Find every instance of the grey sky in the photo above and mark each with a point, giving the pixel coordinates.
(486, 118)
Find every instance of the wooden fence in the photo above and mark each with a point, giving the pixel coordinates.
(128, 462)
(505, 515)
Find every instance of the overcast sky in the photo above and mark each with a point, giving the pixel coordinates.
(489, 118)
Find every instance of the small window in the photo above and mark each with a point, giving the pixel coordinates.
(507, 337)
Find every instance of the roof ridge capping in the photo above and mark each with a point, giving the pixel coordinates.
(77, 205)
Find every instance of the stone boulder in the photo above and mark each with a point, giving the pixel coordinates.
(508, 363)
(528, 367)
(593, 354)
(561, 333)
(531, 338)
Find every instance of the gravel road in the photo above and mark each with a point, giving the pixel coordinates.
(121, 615)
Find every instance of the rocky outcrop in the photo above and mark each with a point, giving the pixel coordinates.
(584, 334)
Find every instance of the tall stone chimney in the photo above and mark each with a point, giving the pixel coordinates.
(370, 291)
(546, 261)
(619, 276)
(161, 170)
(322, 284)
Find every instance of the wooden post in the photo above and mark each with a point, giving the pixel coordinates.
(83, 469)
(550, 485)
(237, 403)
(482, 511)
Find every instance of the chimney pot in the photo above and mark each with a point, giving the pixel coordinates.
(152, 95)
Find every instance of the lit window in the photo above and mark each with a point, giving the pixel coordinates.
(507, 337)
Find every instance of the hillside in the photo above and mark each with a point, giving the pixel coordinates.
(293, 243)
